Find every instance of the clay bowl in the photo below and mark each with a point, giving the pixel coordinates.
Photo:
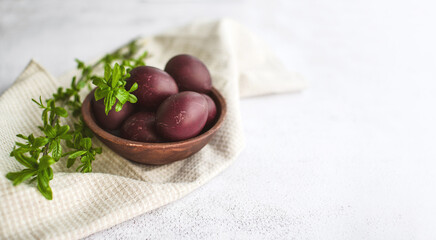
(155, 153)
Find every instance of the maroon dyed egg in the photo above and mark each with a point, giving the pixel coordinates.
(181, 116)
(140, 127)
(154, 86)
(211, 111)
(190, 73)
(114, 119)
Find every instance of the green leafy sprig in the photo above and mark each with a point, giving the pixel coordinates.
(38, 154)
(112, 88)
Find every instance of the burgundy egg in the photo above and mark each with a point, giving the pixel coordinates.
(140, 127)
(154, 86)
(181, 116)
(211, 111)
(114, 119)
(190, 73)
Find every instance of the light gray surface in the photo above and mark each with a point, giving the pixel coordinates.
(352, 157)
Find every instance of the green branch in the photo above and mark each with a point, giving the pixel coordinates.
(37, 154)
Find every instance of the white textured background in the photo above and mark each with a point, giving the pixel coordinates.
(352, 157)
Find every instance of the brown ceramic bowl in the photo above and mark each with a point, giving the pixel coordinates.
(155, 153)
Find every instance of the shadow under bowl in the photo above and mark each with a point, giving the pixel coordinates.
(154, 153)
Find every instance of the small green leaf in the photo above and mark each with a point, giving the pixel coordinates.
(44, 187)
(34, 155)
(98, 150)
(69, 144)
(76, 154)
(45, 117)
(46, 161)
(86, 166)
(109, 102)
(22, 144)
(86, 143)
(116, 75)
(25, 161)
(133, 87)
(22, 136)
(66, 136)
(56, 149)
(39, 103)
(73, 82)
(118, 106)
(99, 82)
(81, 84)
(59, 94)
(19, 177)
(143, 55)
(100, 93)
(40, 141)
(122, 95)
(77, 138)
(62, 130)
(70, 162)
(61, 111)
(126, 63)
(50, 173)
(132, 98)
(80, 166)
(80, 64)
(50, 131)
(31, 138)
(51, 103)
(107, 71)
(42, 178)
(12, 175)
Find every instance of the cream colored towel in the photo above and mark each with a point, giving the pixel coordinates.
(118, 189)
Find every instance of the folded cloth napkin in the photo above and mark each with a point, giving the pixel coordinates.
(117, 189)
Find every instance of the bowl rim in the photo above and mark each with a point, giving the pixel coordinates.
(88, 118)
